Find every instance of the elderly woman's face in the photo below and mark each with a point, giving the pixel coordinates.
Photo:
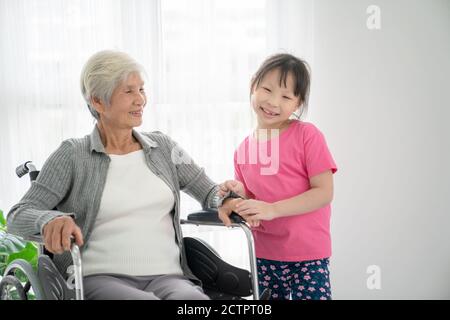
(127, 103)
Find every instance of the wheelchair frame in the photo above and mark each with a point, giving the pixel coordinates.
(75, 280)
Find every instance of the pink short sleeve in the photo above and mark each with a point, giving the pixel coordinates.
(318, 158)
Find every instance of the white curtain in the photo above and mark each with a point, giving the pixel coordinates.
(43, 45)
(199, 56)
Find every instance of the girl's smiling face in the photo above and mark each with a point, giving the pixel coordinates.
(274, 101)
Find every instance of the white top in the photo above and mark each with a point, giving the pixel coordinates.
(133, 233)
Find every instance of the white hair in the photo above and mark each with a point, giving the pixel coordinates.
(102, 73)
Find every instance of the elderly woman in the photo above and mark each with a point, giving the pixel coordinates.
(117, 192)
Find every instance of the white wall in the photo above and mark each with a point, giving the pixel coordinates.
(382, 99)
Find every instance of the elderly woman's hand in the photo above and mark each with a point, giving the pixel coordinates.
(58, 233)
(229, 206)
(227, 209)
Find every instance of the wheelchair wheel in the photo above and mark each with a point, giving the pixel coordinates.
(20, 282)
(11, 289)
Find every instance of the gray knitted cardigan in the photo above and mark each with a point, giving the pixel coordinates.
(72, 181)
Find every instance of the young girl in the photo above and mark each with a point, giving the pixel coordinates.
(288, 204)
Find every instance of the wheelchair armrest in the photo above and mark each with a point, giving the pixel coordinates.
(211, 217)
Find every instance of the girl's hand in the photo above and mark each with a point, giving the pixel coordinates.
(232, 185)
(253, 223)
(255, 210)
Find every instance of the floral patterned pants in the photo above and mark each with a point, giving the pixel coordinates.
(303, 280)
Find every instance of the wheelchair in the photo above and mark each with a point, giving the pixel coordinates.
(220, 280)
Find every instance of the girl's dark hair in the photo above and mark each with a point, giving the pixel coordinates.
(287, 63)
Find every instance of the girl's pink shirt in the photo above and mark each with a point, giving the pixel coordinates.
(302, 154)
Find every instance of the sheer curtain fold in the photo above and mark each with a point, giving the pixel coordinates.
(43, 46)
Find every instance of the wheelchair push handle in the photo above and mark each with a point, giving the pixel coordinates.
(235, 218)
(23, 169)
(27, 167)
